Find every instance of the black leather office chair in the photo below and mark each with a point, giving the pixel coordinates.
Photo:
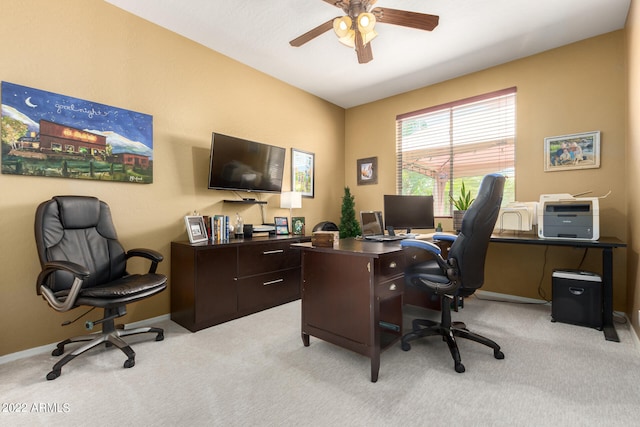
(460, 274)
(84, 264)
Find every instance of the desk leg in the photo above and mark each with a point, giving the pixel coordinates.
(374, 336)
(375, 366)
(608, 327)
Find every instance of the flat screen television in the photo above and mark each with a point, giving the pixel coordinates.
(404, 211)
(242, 165)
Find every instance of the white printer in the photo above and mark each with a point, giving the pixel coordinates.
(562, 216)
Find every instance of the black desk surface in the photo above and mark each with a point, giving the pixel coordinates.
(355, 246)
(532, 239)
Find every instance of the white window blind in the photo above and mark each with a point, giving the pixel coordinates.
(439, 148)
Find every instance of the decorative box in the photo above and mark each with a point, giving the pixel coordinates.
(325, 239)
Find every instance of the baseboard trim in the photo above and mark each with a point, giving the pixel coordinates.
(496, 296)
(634, 335)
(47, 348)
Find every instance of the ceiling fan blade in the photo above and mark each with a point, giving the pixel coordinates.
(363, 50)
(312, 34)
(338, 3)
(421, 21)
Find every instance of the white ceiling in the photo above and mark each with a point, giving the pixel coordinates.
(472, 35)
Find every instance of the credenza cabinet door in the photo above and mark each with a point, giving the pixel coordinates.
(216, 285)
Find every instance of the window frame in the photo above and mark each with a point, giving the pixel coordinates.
(447, 143)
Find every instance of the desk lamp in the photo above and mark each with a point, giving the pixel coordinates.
(290, 200)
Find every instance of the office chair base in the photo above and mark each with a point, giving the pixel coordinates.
(425, 328)
(110, 335)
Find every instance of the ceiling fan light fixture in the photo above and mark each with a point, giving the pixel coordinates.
(342, 28)
(349, 40)
(366, 22)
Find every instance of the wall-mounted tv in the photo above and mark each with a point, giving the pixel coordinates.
(242, 165)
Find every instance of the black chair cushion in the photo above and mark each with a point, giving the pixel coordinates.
(121, 291)
(428, 270)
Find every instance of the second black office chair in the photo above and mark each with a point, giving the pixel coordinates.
(460, 274)
(84, 264)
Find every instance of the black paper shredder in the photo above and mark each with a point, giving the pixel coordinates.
(577, 298)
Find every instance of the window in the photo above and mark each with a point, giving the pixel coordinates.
(441, 147)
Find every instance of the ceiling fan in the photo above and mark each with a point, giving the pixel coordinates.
(356, 28)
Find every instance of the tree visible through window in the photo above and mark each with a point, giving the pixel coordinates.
(441, 147)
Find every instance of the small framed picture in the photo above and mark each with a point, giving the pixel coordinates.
(282, 225)
(297, 225)
(196, 228)
(368, 171)
(303, 172)
(569, 152)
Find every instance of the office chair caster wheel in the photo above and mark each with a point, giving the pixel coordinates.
(498, 354)
(53, 374)
(130, 363)
(459, 368)
(405, 346)
(160, 337)
(57, 352)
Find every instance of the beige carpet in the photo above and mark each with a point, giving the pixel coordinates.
(255, 371)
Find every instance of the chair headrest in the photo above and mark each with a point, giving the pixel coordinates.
(78, 211)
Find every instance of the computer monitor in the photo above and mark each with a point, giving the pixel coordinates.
(408, 212)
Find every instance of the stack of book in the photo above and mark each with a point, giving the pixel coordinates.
(220, 228)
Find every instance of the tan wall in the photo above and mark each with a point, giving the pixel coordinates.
(633, 159)
(576, 88)
(91, 50)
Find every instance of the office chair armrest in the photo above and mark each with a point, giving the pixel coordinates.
(421, 244)
(430, 247)
(445, 237)
(149, 254)
(68, 302)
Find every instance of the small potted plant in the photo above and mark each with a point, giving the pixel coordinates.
(461, 205)
(349, 225)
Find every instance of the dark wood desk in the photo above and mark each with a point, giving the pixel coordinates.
(352, 295)
(607, 244)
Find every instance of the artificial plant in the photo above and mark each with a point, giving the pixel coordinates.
(349, 225)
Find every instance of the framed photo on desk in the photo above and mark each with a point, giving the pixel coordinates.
(196, 228)
(282, 225)
(297, 225)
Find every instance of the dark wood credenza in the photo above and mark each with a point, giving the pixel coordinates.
(213, 283)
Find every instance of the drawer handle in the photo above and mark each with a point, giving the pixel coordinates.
(393, 264)
(393, 287)
(272, 282)
(277, 251)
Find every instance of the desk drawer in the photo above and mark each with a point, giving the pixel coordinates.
(390, 289)
(263, 258)
(268, 290)
(390, 266)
